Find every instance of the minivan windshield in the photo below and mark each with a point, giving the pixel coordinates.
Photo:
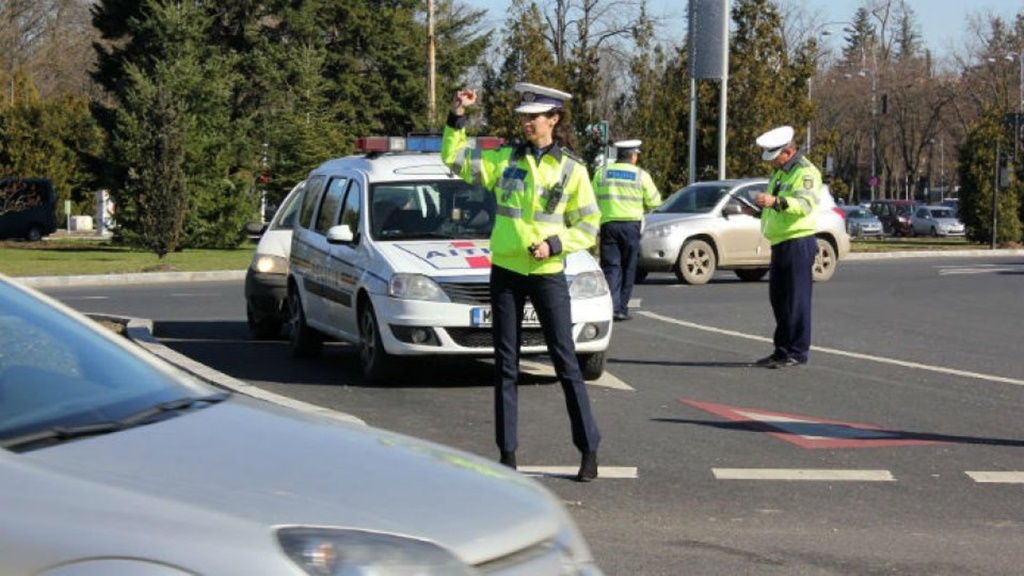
(443, 209)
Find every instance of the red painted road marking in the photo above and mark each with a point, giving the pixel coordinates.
(811, 433)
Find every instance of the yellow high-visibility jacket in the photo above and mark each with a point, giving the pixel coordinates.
(548, 200)
(624, 192)
(797, 185)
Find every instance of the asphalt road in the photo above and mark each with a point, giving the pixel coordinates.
(898, 450)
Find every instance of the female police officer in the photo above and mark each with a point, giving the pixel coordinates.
(539, 187)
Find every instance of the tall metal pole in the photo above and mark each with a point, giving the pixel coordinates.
(874, 137)
(722, 104)
(431, 100)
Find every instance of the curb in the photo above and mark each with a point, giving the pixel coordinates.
(122, 279)
(977, 253)
(140, 331)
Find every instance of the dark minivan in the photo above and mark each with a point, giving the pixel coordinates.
(895, 216)
(28, 208)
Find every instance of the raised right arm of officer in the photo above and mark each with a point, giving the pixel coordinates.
(471, 164)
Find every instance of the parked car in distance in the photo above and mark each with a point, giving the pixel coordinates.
(266, 279)
(391, 253)
(28, 208)
(113, 462)
(895, 215)
(709, 226)
(936, 221)
(861, 223)
(952, 203)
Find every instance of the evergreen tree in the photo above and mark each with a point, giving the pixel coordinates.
(978, 166)
(766, 87)
(174, 143)
(53, 139)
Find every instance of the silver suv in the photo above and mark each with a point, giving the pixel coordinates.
(713, 225)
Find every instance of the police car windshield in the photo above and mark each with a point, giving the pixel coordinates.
(694, 199)
(409, 210)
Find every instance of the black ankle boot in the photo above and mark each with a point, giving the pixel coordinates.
(588, 467)
(509, 459)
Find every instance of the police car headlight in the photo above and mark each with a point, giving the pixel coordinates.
(588, 285)
(334, 552)
(266, 264)
(415, 287)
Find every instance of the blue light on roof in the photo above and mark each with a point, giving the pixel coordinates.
(424, 143)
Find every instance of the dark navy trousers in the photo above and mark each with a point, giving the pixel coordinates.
(620, 246)
(789, 289)
(549, 295)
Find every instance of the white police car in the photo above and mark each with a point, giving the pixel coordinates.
(391, 252)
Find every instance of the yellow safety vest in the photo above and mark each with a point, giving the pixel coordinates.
(535, 200)
(624, 192)
(799, 183)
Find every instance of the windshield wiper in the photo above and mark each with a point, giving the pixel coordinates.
(63, 433)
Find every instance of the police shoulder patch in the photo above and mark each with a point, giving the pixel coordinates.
(808, 182)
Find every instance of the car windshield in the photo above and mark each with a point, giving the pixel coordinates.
(942, 213)
(284, 219)
(694, 199)
(858, 213)
(445, 209)
(57, 375)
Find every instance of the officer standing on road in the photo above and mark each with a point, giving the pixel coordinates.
(545, 210)
(624, 192)
(787, 220)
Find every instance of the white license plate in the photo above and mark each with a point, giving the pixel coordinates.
(482, 317)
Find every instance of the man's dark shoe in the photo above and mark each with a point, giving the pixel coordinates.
(588, 467)
(785, 363)
(509, 459)
(619, 317)
(769, 360)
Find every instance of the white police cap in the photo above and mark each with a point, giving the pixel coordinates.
(773, 141)
(539, 99)
(628, 146)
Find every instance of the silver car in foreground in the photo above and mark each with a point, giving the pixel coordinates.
(936, 221)
(709, 226)
(115, 463)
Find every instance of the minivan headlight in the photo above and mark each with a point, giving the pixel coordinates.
(267, 264)
(415, 287)
(338, 552)
(588, 285)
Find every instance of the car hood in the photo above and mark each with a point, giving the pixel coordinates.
(459, 258)
(275, 243)
(946, 221)
(245, 466)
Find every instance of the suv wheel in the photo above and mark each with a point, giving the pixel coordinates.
(34, 233)
(305, 342)
(696, 263)
(375, 363)
(592, 365)
(824, 261)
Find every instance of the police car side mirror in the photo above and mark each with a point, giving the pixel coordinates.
(340, 234)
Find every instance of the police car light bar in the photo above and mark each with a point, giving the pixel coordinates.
(371, 144)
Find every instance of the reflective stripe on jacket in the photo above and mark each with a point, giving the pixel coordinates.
(624, 192)
(799, 182)
(535, 201)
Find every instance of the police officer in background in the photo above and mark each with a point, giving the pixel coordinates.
(624, 192)
(788, 218)
(545, 210)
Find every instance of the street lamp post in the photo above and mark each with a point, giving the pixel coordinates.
(873, 181)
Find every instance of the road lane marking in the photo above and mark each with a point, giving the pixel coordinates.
(603, 472)
(982, 477)
(607, 379)
(803, 474)
(836, 352)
